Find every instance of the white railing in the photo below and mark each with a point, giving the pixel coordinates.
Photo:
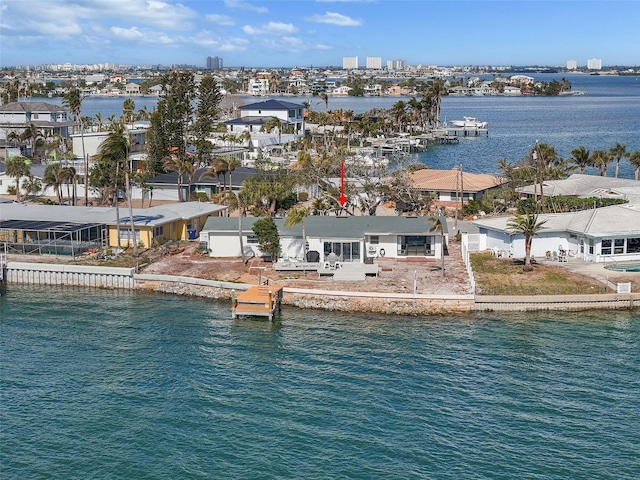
(467, 262)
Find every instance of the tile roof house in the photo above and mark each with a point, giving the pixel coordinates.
(451, 185)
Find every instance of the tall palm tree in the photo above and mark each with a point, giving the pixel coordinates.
(54, 176)
(437, 225)
(295, 216)
(115, 149)
(529, 226)
(73, 101)
(618, 151)
(174, 163)
(232, 164)
(600, 160)
(128, 110)
(634, 159)
(17, 167)
(580, 158)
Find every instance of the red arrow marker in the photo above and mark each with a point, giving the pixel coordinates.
(342, 199)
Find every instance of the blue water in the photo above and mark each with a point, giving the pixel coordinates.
(608, 114)
(121, 385)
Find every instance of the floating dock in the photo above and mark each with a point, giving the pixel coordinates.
(258, 301)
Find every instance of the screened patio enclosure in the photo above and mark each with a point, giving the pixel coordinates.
(31, 237)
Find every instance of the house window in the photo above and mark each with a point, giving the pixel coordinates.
(590, 247)
(374, 239)
(618, 246)
(158, 231)
(252, 239)
(415, 246)
(606, 246)
(125, 235)
(633, 245)
(34, 116)
(347, 251)
(292, 113)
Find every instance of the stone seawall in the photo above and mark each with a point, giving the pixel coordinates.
(344, 301)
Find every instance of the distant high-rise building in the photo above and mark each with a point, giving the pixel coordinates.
(214, 63)
(374, 63)
(594, 64)
(349, 63)
(396, 64)
(572, 65)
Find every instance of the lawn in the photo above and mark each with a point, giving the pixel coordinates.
(505, 276)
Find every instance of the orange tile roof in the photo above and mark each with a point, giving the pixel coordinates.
(450, 180)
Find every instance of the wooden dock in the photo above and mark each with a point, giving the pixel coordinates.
(258, 301)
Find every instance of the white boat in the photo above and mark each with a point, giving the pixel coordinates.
(469, 122)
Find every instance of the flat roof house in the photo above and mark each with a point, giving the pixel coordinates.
(67, 230)
(593, 235)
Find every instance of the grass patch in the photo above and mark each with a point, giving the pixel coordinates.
(505, 276)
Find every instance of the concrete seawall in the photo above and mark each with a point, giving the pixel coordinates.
(345, 301)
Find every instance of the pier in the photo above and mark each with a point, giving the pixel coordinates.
(467, 131)
(257, 301)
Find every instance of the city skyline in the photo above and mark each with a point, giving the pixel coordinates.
(318, 32)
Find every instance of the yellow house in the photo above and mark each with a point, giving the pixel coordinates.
(67, 230)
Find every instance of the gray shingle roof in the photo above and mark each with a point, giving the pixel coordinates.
(31, 107)
(352, 227)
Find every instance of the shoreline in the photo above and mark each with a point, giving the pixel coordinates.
(402, 304)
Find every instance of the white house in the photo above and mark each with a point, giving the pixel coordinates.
(48, 119)
(596, 235)
(350, 238)
(254, 116)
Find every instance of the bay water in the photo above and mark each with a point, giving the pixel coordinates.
(609, 113)
(123, 385)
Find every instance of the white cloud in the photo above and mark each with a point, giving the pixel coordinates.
(223, 20)
(274, 28)
(127, 33)
(245, 6)
(333, 18)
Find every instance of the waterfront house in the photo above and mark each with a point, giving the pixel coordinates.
(66, 230)
(596, 235)
(585, 186)
(47, 118)
(350, 238)
(255, 115)
(451, 187)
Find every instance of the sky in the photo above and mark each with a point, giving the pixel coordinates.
(288, 33)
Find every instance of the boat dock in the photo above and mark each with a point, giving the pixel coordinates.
(467, 131)
(258, 301)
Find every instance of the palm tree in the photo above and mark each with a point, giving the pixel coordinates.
(618, 151)
(31, 185)
(128, 110)
(600, 160)
(634, 159)
(115, 149)
(173, 163)
(438, 223)
(232, 164)
(529, 226)
(580, 158)
(325, 98)
(17, 167)
(73, 101)
(54, 176)
(295, 216)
